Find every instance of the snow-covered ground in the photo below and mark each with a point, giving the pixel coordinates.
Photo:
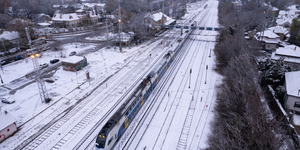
(180, 117)
(102, 64)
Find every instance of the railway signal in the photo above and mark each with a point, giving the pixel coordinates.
(206, 74)
(190, 77)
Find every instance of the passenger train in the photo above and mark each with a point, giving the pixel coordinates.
(120, 121)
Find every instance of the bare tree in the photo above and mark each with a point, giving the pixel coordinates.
(4, 4)
(242, 122)
(4, 19)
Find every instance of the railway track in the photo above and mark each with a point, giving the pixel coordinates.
(134, 127)
(30, 135)
(87, 141)
(182, 142)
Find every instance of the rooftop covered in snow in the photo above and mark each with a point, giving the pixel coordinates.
(293, 83)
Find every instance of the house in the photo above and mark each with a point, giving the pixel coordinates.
(87, 16)
(292, 96)
(269, 40)
(7, 126)
(280, 31)
(74, 63)
(274, 11)
(79, 18)
(66, 20)
(40, 18)
(285, 18)
(290, 53)
(11, 36)
(154, 21)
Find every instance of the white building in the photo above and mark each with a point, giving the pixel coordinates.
(7, 126)
(292, 97)
(269, 40)
(290, 53)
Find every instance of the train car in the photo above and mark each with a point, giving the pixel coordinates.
(122, 118)
(120, 121)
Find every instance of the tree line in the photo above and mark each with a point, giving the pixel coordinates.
(242, 120)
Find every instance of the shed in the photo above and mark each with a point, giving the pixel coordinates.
(7, 126)
(74, 63)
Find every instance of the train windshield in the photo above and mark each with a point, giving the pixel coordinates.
(103, 134)
(100, 142)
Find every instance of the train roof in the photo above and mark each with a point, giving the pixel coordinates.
(122, 109)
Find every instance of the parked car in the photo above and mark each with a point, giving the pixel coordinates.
(17, 57)
(54, 61)
(72, 53)
(3, 62)
(94, 49)
(13, 50)
(45, 48)
(7, 100)
(43, 65)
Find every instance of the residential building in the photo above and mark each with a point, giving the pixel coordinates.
(66, 20)
(280, 31)
(290, 53)
(11, 36)
(285, 18)
(292, 96)
(268, 40)
(79, 18)
(154, 21)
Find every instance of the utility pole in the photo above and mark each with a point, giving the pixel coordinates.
(119, 20)
(162, 16)
(190, 77)
(41, 85)
(106, 32)
(263, 26)
(4, 47)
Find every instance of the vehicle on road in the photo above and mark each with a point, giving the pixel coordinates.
(3, 62)
(54, 61)
(94, 49)
(45, 48)
(7, 100)
(18, 57)
(44, 65)
(13, 50)
(72, 53)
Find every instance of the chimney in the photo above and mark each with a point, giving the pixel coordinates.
(60, 15)
(295, 48)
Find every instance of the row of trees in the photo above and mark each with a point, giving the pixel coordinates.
(241, 119)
